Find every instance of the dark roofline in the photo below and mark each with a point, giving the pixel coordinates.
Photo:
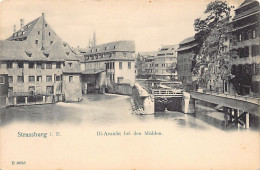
(245, 4)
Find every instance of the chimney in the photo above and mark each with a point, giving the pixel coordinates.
(14, 28)
(42, 15)
(21, 20)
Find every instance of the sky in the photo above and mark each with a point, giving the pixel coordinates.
(150, 23)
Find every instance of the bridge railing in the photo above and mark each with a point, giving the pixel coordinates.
(247, 98)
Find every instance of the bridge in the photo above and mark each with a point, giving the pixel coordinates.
(236, 108)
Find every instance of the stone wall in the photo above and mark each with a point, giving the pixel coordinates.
(72, 87)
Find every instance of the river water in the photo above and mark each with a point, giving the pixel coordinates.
(181, 140)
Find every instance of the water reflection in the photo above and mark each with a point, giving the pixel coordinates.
(95, 109)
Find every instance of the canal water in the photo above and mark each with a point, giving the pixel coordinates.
(102, 133)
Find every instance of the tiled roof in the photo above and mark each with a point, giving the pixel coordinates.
(113, 46)
(81, 58)
(187, 47)
(246, 2)
(19, 50)
(187, 40)
(74, 68)
(121, 58)
(147, 54)
(26, 30)
(247, 13)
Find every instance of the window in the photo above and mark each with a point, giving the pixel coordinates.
(48, 78)
(48, 65)
(31, 65)
(20, 79)
(49, 33)
(20, 64)
(58, 78)
(255, 50)
(58, 65)
(129, 65)
(9, 65)
(39, 78)
(113, 65)
(40, 65)
(10, 79)
(31, 79)
(51, 42)
(39, 32)
(46, 25)
(253, 34)
(31, 89)
(120, 65)
(70, 64)
(240, 37)
(49, 89)
(120, 79)
(36, 41)
(2, 80)
(46, 55)
(10, 89)
(70, 78)
(124, 54)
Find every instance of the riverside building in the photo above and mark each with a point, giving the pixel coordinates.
(108, 65)
(34, 59)
(246, 24)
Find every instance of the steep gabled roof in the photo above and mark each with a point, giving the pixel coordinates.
(19, 50)
(26, 31)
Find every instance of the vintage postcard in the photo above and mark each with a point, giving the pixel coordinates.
(131, 84)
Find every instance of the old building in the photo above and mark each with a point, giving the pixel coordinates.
(145, 64)
(246, 24)
(34, 58)
(107, 65)
(165, 62)
(186, 52)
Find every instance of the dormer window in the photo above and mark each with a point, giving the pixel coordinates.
(67, 53)
(51, 42)
(105, 48)
(114, 47)
(46, 25)
(91, 51)
(28, 54)
(64, 45)
(46, 55)
(39, 32)
(70, 64)
(49, 33)
(96, 50)
(36, 41)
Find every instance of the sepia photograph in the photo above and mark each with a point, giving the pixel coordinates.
(129, 84)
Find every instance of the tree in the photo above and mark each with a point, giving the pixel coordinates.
(212, 61)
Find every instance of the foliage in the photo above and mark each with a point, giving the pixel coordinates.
(212, 62)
